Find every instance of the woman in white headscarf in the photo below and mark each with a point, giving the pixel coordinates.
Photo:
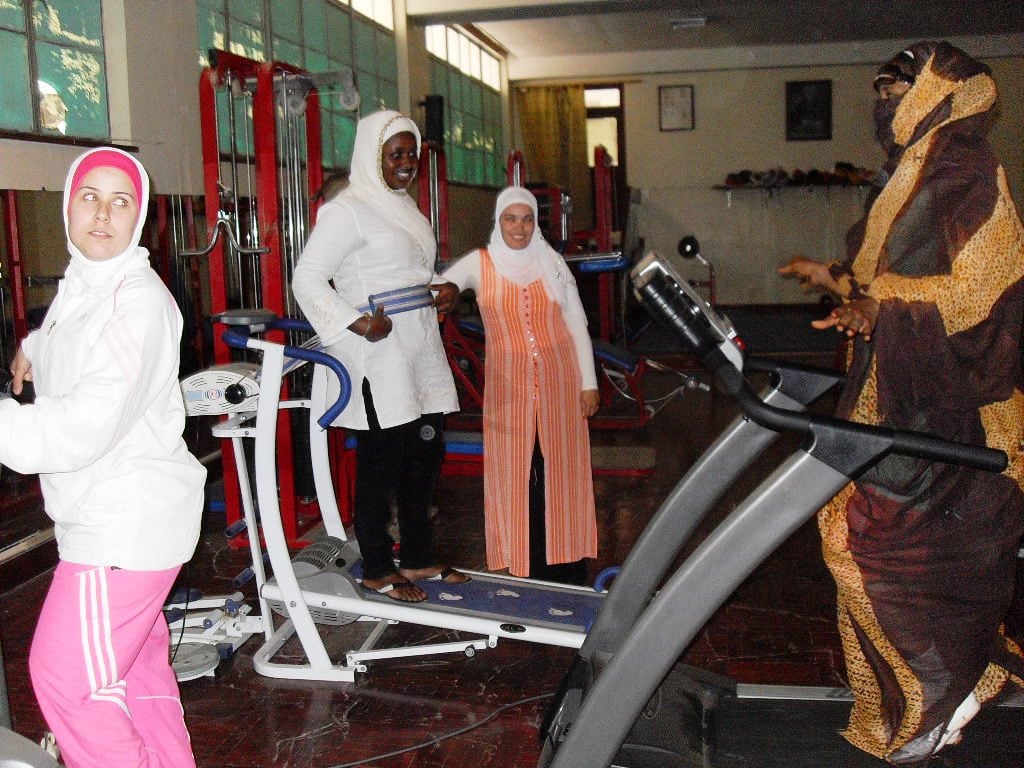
(105, 435)
(541, 387)
(379, 318)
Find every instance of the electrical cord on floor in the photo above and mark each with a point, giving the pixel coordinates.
(442, 737)
(184, 614)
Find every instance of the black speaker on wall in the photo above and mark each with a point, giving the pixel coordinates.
(433, 105)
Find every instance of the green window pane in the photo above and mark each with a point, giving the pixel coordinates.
(457, 129)
(248, 41)
(314, 25)
(339, 35)
(457, 164)
(338, 135)
(72, 22)
(243, 123)
(288, 52)
(439, 78)
(494, 110)
(387, 58)
(486, 105)
(388, 94)
(223, 126)
(476, 172)
(285, 20)
(468, 92)
(498, 170)
(78, 78)
(369, 96)
(316, 61)
(15, 95)
(344, 139)
(212, 35)
(476, 99)
(455, 89)
(12, 15)
(212, 26)
(365, 46)
(247, 11)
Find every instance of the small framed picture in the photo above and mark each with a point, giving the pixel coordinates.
(809, 110)
(675, 107)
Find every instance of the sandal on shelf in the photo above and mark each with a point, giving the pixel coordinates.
(389, 590)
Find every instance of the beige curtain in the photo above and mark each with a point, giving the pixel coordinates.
(553, 124)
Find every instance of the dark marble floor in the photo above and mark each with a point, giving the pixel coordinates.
(777, 628)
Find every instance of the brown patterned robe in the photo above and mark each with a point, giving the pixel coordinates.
(923, 553)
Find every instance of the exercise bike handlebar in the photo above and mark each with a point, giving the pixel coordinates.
(240, 337)
(699, 325)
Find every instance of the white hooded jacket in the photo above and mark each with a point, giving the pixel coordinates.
(105, 430)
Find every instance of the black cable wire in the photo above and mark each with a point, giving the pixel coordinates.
(444, 736)
(184, 615)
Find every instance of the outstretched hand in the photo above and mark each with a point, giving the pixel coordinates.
(855, 318)
(810, 274)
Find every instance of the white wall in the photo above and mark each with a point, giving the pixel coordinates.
(740, 124)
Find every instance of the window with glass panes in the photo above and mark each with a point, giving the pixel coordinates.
(54, 72)
(317, 36)
(469, 79)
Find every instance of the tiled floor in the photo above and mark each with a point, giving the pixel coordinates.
(778, 628)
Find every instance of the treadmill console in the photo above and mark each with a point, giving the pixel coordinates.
(670, 297)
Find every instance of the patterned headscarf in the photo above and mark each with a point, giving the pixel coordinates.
(366, 182)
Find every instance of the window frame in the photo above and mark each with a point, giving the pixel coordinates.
(33, 40)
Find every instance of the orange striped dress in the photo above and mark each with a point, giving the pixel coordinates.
(532, 392)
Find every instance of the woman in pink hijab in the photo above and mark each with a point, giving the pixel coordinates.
(105, 435)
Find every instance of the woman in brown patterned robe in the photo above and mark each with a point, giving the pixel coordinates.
(923, 553)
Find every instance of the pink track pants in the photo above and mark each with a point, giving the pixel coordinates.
(100, 669)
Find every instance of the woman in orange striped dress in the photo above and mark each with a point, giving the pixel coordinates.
(541, 387)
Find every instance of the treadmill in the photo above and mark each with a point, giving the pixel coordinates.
(625, 700)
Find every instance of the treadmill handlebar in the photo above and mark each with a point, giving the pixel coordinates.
(689, 319)
(240, 337)
(903, 442)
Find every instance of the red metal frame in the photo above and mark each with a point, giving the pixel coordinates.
(272, 272)
(458, 348)
(516, 165)
(15, 269)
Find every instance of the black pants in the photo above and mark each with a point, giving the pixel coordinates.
(564, 573)
(404, 460)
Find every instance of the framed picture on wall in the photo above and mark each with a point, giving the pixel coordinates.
(809, 110)
(675, 107)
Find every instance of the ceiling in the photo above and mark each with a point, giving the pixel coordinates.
(589, 30)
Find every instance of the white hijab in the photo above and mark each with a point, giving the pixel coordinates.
(366, 181)
(85, 274)
(537, 261)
